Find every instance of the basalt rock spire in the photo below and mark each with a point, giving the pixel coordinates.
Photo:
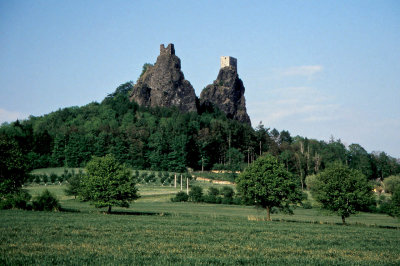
(227, 92)
(164, 84)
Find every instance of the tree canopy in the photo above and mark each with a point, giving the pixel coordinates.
(342, 190)
(268, 184)
(108, 183)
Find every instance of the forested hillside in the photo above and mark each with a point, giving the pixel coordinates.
(168, 139)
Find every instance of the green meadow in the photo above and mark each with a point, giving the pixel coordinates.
(156, 231)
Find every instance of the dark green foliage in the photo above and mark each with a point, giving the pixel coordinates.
(212, 195)
(46, 202)
(213, 191)
(389, 205)
(227, 192)
(196, 194)
(13, 168)
(180, 197)
(53, 178)
(342, 190)
(108, 183)
(16, 200)
(37, 179)
(267, 184)
(45, 178)
(395, 202)
(144, 177)
(74, 184)
(390, 183)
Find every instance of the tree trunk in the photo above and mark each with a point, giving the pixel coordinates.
(268, 214)
(109, 209)
(343, 220)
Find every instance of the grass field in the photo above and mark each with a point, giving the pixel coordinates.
(156, 231)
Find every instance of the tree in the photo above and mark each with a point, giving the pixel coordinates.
(342, 190)
(391, 182)
(266, 183)
(108, 183)
(13, 166)
(74, 185)
(395, 203)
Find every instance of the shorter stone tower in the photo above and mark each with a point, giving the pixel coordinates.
(170, 50)
(228, 61)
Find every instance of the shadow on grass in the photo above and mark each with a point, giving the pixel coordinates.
(138, 213)
(68, 210)
(340, 224)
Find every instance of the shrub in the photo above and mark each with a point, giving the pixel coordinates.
(306, 204)
(391, 182)
(227, 192)
(143, 176)
(46, 202)
(37, 179)
(17, 200)
(213, 191)
(210, 199)
(196, 194)
(53, 178)
(226, 200)
(45, 178)
(180, 197)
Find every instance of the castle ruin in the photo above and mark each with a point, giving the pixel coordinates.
(170, 50)
(227, 61)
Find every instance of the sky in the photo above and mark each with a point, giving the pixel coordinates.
(315, 68)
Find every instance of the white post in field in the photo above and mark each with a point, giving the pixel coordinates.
(181, 183)
(187, 186)
(175, 180)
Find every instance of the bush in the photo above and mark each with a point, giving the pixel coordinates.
(143, 176)
(213, 191)
(53, 178)
(306, 204)
(37, 179)
(46, 202)
(211, 199)
(196, 194)
(180, 196)
(45, 178)
(226, 200)
(18, 200)
(227, 192)
(391, 182)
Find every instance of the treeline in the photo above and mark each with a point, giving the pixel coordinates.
(164, 139)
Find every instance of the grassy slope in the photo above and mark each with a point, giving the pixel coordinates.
(190, 233)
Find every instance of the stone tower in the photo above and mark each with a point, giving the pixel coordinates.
(227, 61)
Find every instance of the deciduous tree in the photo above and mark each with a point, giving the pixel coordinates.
(108, 183)
(342, 190)
(266, 183)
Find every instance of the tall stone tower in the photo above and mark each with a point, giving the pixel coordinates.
(227, 61)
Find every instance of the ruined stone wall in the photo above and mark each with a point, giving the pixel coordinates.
(170, 50)
(228, 61)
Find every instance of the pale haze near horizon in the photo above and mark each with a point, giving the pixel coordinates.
(315, 68)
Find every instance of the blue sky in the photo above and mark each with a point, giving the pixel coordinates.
(315, 68)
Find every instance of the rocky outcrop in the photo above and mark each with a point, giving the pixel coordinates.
(164, 84)
(227, 93)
